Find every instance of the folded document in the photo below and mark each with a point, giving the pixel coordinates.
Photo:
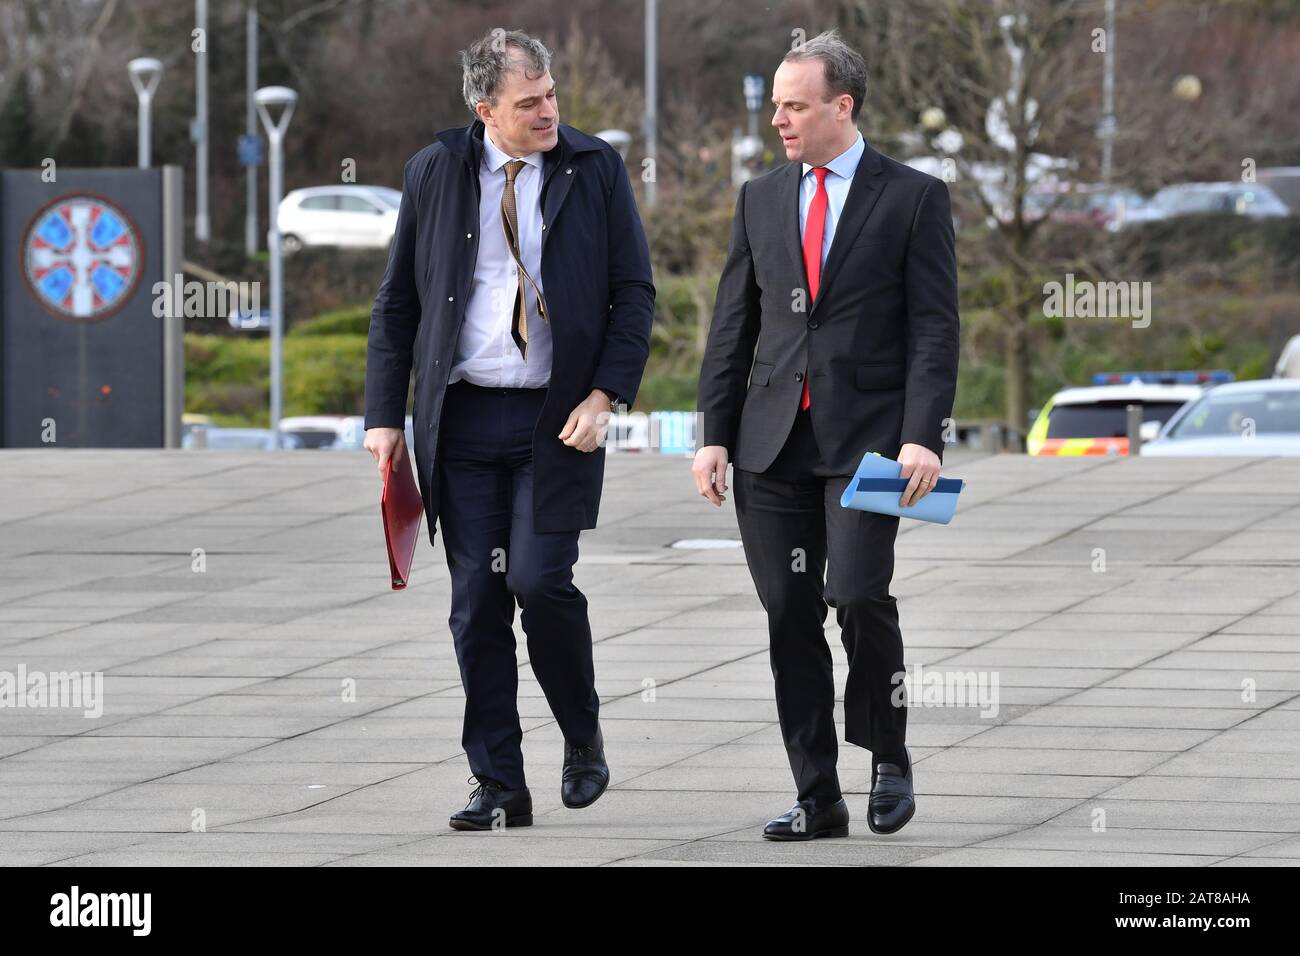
(876, 486)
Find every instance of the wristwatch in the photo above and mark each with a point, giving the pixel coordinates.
(613, 399)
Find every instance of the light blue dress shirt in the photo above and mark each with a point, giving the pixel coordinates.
(838, 181)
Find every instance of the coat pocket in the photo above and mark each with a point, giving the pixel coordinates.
(761, 374)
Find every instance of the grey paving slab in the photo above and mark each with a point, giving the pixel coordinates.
(313, 715)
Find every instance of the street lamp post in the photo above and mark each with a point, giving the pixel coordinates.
(268, 98)
(747, 151)
(753, 88)
(651, 121)
(1108, 126)
(145, 73)
(202, 225)
(250, 130)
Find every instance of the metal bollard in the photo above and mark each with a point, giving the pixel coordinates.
(1133, 423)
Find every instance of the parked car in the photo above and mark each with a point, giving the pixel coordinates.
(1288, 363)
(237, 438)
(315, 431)
(346, 215)
(190, 421)
(1083, 204)
(1260, 417)
(1094, 420)
(245, 320)
(1252, 200)
(350, 433)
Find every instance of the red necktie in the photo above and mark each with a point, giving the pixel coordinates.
(813, 231)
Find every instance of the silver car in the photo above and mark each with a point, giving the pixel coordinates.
(1252, 200)
(1255, 418)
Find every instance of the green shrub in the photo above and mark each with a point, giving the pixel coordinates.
(354, 320)
(230, 378)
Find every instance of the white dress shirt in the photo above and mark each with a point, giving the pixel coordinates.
(486, 353)
(838, 181)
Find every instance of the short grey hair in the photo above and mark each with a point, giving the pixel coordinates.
(846, 70)
(489, 58)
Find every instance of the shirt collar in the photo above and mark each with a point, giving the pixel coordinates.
(846, 163)
(496, 158)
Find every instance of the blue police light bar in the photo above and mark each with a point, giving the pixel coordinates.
(1202, 377)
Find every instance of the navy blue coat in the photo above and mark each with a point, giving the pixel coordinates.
(599, 294)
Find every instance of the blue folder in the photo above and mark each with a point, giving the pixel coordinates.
(876, 486)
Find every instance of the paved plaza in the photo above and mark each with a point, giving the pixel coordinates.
(1140, 616)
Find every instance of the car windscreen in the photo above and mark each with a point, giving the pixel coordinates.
(1103, 419)
(1263, 412)
(1194, 200)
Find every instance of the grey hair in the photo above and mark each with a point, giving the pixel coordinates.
(846, 70)
(489, 58)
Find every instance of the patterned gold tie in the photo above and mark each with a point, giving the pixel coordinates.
(510, 224)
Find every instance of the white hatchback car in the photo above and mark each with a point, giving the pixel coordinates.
(362, 217)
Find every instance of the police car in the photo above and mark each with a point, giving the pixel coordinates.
(1094, 420)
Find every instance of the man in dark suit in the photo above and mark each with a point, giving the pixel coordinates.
(519, 288)
(841, 272)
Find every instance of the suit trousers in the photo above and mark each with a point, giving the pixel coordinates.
(794, 531)
(498, 559)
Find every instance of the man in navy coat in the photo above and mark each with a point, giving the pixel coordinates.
(518, 287)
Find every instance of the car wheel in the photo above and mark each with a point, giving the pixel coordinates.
(289, 244)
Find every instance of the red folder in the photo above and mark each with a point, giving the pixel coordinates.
(402, 508)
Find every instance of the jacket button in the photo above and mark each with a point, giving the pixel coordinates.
(813, 323)
(469, 235)
(568, 172)
(451, 298)
(798, 376)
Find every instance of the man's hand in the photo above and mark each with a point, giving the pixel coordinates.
(710, 471)
(385, 443)
(920, 465)
(587, 424)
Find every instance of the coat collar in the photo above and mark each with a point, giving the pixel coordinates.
(845, 165)
(467, 143)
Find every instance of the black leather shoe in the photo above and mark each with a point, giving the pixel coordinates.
(585, 775)
(892, 800)
(806, 821)
(491, 807)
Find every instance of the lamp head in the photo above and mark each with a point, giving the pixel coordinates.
(145, 72)
(269, 97)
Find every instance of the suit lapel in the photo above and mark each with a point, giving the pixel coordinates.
(788, 203)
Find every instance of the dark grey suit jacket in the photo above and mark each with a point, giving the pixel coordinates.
(880, 343)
